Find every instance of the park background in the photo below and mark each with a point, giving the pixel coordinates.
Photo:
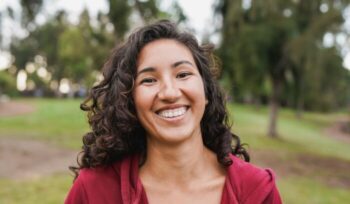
(284, 69)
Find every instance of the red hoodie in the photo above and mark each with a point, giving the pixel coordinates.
(119, 184)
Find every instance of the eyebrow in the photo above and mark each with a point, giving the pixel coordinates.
(174, 65)
(181, 62)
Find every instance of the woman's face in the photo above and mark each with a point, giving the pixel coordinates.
(169, 93)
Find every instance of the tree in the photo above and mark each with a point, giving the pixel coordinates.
(120, 11)
(41, 41)
(29, 10)
(312, 20)
(279, 41)
(82, 49)
(332, 90)
(7, 83)
(78, 52)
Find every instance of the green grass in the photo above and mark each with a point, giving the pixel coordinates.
(304, 135)
(304, 190)
(48, 190)
(58, 121)
(297, 137)
(61, 122)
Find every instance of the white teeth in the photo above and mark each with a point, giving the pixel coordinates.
(171, 113)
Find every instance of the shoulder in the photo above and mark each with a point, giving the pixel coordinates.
(94, 176)
(96, 184)
(249, 172)
(251, 182)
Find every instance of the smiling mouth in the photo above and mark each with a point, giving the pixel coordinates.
(173, 113)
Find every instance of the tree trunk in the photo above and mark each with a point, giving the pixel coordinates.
(300, 108)
(274, 106)
(299, 98)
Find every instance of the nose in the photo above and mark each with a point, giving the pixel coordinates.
(169, 91)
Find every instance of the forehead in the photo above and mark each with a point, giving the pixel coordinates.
(164, 51)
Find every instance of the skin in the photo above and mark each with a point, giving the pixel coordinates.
(178, 167)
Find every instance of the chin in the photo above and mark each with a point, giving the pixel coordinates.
(177, 135)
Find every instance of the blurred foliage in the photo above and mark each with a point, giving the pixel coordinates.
(29, 10)
(281, 42)
(44, 41)
(119, 12)
(76, 46)
(78, 51)
(272, 52)
(7, 84)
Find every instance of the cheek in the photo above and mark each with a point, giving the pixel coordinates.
(143, 100)
(196, 90)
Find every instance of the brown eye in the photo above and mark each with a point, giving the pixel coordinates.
(183, 75)
(148, 81)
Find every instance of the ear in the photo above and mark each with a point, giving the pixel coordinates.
(206, 101)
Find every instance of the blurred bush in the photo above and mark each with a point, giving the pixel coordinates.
(7, 84)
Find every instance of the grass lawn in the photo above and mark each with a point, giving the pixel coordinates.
(58, 121)
(62, 123)
(305, 135)
(48, 190)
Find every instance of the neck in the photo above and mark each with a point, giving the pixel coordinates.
(179, 164)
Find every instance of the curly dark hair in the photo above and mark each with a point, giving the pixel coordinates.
(116, 130)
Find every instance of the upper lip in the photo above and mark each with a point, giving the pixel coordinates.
(173, 106)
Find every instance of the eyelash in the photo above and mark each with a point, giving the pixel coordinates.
(183, 75)
(147, 81)
(151, 80)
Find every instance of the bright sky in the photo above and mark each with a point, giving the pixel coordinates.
(200, 17)
(199, 14)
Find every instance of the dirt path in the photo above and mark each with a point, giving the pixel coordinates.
(27, 159)
(338, 130)
(328, 170)
(12, 108)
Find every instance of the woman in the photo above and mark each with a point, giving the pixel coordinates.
(160, 132)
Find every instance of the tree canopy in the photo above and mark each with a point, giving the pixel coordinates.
(281, 42)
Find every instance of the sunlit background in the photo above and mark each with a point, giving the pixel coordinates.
(285, 71)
